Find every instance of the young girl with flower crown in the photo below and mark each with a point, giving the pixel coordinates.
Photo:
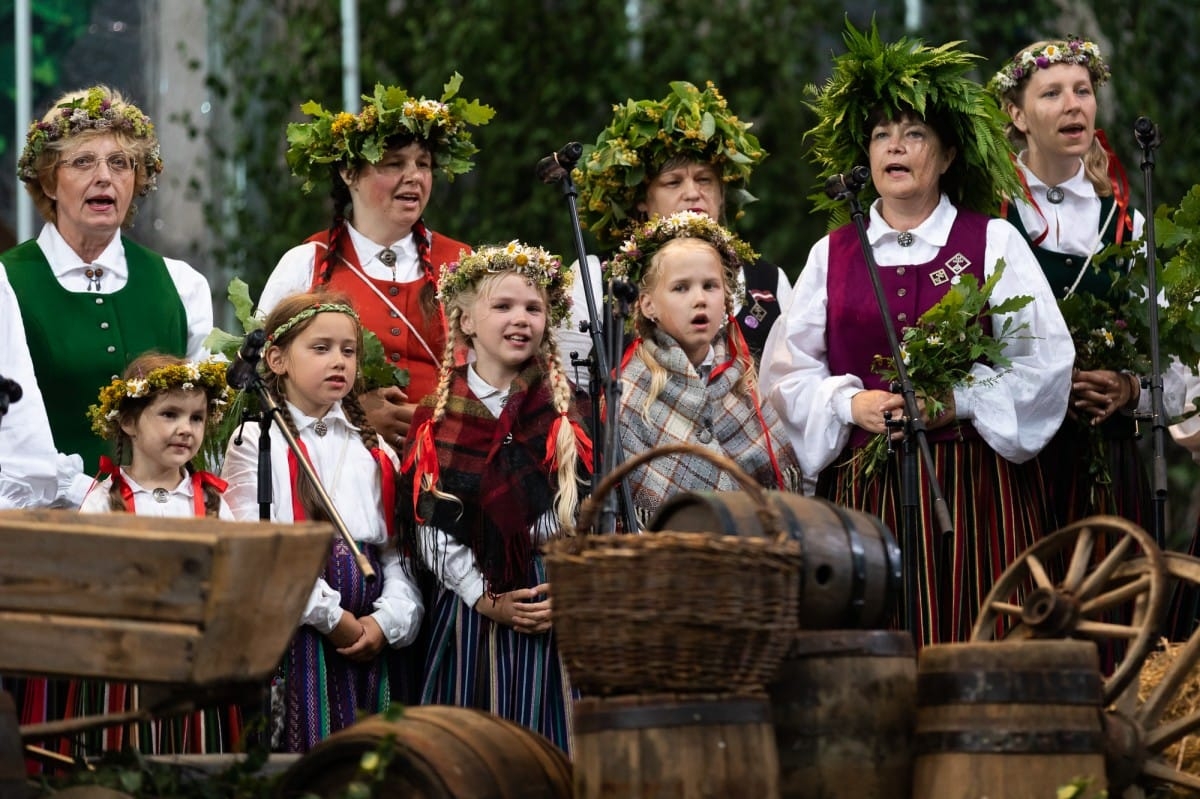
(156, 416)
(689, 376)
(335, 665)
(493, 465)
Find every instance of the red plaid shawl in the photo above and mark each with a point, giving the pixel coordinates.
(496, 468)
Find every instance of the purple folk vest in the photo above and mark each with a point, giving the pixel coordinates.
(854, 332)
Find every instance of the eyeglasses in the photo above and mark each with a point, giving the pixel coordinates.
(118, 163)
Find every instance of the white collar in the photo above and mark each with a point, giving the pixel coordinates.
(367, 250)
(1078, 184)
(63, 259)
(935, 230)
(183, 489)
(332, 418)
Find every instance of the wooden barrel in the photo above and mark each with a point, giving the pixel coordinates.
(844, 705)
(680, 746)
(438, 752)
(1008, 718)
(850, 574)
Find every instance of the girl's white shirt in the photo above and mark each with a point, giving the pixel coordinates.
(179, 502)
(452, 562)
(1016, 412)
(351, 477)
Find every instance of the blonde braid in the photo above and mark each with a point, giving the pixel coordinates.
(566, 498)
(442, 392)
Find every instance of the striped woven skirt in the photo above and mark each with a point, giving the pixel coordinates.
(1098, 471)
(997, 509)
(474, 662)
(324, 691)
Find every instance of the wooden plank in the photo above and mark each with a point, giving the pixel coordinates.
(105, 566)
(261, 583)
(110, 649)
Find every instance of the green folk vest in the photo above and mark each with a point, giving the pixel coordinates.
(1062, 269)
(79, 341)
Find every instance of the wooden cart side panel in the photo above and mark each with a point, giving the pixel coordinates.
(261, 583)
(112, 649)
(120, 566)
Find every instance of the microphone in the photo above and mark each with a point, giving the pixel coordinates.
(844, 184)
(10, 389)
(1146, 133)
(243, 371)
(553, 167)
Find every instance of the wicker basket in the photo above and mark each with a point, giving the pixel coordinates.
(672, 611)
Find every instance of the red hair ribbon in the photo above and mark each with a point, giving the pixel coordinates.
(422, 458)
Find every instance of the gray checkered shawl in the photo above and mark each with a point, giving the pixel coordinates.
(687, 406)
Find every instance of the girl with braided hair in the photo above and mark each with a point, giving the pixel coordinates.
(335, 665)
(378, 250)
(493, 464)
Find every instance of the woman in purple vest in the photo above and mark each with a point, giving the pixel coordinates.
(92, 300)
(937, 175)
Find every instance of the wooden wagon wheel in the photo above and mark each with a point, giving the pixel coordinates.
(1030, 600)
(1138, 737)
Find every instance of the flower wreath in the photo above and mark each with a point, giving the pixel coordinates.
(1069, 50)
(544, 269)
(635, 253)
(345, 138)
(646, 134)
(208, 375)
(93, 110)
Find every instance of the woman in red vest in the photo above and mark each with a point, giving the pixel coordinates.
(378, 250)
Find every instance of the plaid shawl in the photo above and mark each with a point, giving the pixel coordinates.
(690, 409)
(496, 467)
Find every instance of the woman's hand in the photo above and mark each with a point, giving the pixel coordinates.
(868, 408)
(1098, 394)
(390, 413)
(348, 630)
(369, 644)
(519, 609)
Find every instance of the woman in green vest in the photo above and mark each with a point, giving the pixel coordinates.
(92, 300)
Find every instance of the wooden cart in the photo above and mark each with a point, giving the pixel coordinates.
(190, 606)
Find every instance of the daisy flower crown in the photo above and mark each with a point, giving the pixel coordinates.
(1071, 50)
(94, 110)
(207, 375)
(345, 138)
(544, 269)
(635, 254)
(646, 134)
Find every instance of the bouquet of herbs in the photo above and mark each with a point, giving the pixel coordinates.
(945, 343)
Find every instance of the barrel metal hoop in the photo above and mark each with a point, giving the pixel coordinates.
(1009, 687)
(684, 714)
(858, 568)
(1000, 741)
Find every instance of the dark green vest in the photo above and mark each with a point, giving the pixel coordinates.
(79, 341)
(1062, 269)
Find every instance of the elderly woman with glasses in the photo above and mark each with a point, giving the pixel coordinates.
(90, 299)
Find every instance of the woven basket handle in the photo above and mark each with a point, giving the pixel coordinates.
(767, 514)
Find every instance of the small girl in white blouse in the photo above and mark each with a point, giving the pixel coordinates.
(336, 664)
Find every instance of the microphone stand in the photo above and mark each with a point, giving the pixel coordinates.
(841, 188)
(270, 411)
(607, 449)
(1146, 133)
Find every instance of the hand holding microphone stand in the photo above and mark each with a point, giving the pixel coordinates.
(846, 187)
(607, 450)
(1146, 134)
(242, 375)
